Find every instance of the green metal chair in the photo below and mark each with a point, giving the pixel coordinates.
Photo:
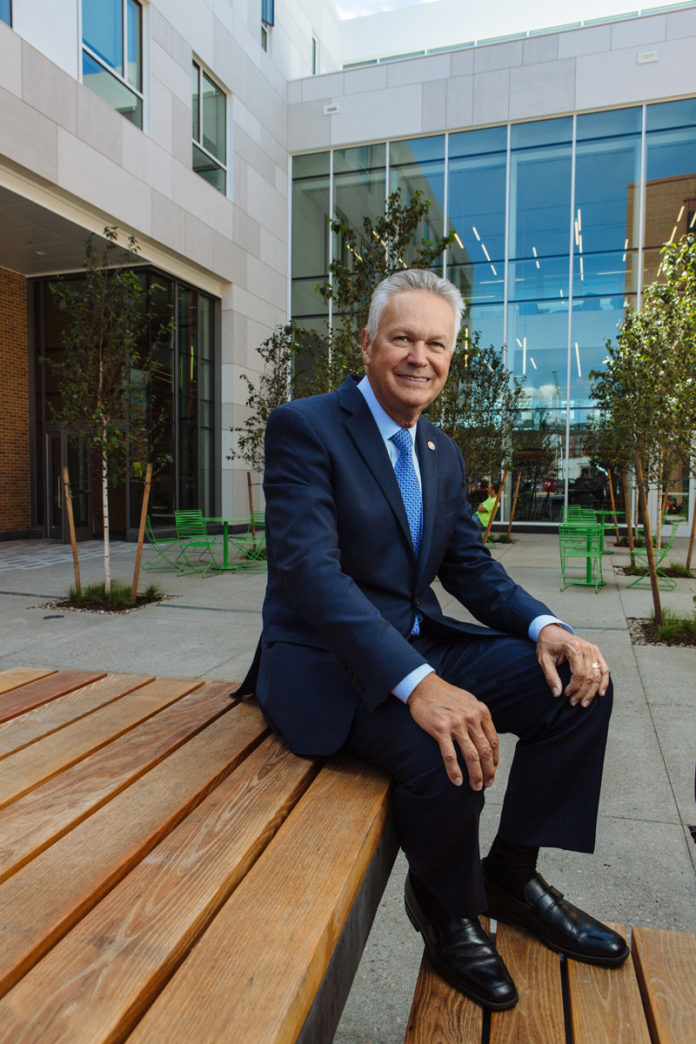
(167, 551)
(249, 543)
(640, 554)
(196, 544)
(581, 555)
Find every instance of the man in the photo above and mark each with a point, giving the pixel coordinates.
(357, 654)
(485, 508)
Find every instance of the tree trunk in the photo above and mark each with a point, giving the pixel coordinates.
(105, 517)
(141, 534)
(613, 503)
(652, 568)
(514, 503)
(629, 516)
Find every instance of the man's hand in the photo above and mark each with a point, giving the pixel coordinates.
(451, 715)
(589, 670)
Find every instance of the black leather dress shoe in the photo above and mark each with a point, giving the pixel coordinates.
(461, 952)
(556, 922)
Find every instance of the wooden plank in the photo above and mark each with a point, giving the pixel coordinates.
(44, 689)
(96, 983)
(44, 899)
(605, 1004)
(44, 814)
(25, 769)
(440, 1013)
(666, 967)
(536, 971)
(252, 975)
(13, 677)
(49, 717)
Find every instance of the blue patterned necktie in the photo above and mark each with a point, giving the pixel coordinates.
(409, 486)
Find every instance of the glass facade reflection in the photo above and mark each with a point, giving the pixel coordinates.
(557, 225)
(182, 397)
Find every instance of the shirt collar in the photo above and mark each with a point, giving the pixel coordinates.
(387, 426)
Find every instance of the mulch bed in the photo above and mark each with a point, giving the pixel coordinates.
(675, 574)
(103, 606)
(644, 632)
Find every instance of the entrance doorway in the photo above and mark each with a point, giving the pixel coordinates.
(66, 450)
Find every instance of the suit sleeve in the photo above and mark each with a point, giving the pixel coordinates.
(305, 560)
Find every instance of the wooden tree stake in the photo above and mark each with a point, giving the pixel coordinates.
(141, 534)
(71, 528)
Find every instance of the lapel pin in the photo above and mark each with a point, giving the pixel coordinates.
(431, 445)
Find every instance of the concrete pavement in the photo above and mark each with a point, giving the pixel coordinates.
(644, 868)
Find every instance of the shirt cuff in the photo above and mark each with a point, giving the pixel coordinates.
(541, 621)
(406, 686)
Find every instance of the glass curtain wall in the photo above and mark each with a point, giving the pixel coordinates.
(557, 227)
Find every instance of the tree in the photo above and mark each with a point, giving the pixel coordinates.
(385, 245)
(648, 386)
(298, 362)
(102, 376)
(478, 407)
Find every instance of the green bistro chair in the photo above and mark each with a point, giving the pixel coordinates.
(640, 554)
(167, 551)
(581, 549)
(196, 544)
(249, 542)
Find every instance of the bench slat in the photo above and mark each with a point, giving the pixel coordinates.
(441, 1013)
(253, 975)
(536, 971)
(44, 899)
(49, 717)
(13, 677)
(41, 816)
(28, 767)
(666, 966)
(44, 689)
(605, 1004)
(117, 958)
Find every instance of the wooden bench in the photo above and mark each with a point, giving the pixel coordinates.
(170, 872)
(651, 999)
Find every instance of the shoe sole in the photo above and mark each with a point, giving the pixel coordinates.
(456, 984)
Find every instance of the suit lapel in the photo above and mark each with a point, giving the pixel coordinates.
(362, 429)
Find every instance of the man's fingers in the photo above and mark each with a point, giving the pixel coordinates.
(553, 678)
(451, 763)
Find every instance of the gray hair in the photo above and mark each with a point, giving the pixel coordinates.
(413, 279)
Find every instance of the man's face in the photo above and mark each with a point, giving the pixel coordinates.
(408, 361)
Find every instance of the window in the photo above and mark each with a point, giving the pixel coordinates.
(267, 20)
(112, 63)
(6, 11)
(209, 107)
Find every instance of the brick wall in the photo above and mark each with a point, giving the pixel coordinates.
(15, 508)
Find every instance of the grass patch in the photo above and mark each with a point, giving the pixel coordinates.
(118, 599)
(675, 628)
(677, 569)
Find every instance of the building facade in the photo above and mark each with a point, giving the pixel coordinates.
(223, 135)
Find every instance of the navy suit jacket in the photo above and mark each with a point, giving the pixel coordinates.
(343, 581)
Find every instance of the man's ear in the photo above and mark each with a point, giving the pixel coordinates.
(365, 347)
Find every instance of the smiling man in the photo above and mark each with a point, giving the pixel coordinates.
(365, 506)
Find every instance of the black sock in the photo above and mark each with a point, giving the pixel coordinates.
(510, 865)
